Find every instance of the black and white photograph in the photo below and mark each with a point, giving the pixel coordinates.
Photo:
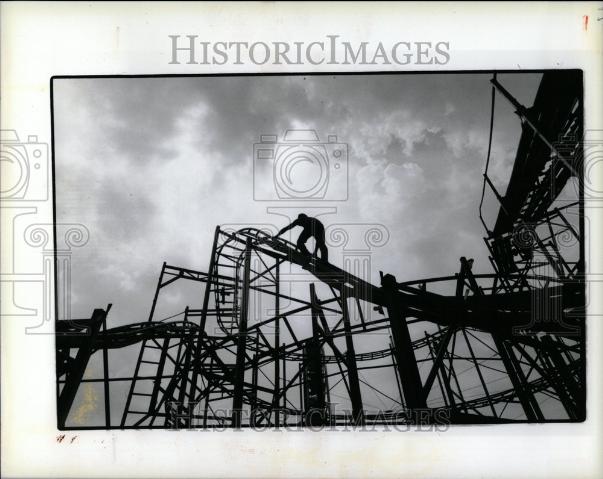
(301, 239)
(320, 250)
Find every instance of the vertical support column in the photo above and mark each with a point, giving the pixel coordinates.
(197, 346)
(479, 373)
(277, 325)
(237, 401)
(443, 381)
(142, 347)
(325, 375)
(438, 361)
(74, 376)
(570, 392)
(300, 373)
(133, 384)
(184, 372)
(405, 355)
(395, 366)
(314, 387)
(208, 392)
(355, 395)
(158, 379)
(284, 385)
(159, 284)
(106, 378)
(518, 379)
(254, 383)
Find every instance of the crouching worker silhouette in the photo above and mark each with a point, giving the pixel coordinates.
(311, 228)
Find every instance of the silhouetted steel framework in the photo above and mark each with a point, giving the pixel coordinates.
(278, 339)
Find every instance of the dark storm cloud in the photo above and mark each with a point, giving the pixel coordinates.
(242, 109)
(394, 151)
(433, 154)
(139, 118)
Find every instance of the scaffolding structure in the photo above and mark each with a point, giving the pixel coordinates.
(280, 339)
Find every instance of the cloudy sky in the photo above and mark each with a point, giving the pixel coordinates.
(151, 165)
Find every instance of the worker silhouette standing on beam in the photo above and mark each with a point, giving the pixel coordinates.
(311, 228)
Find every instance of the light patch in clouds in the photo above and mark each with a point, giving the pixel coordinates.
(388, 188)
